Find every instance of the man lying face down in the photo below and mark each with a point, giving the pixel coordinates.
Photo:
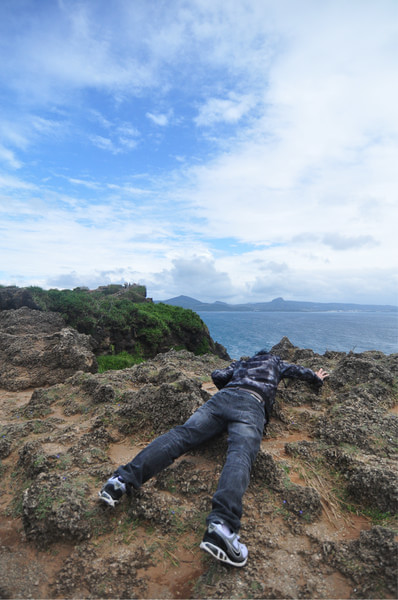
(242, 407)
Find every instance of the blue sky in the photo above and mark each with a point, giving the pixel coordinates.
(233, 151)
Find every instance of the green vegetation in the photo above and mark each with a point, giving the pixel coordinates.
(376, 516)
(115, 362)
(124, 323)
(87, 310)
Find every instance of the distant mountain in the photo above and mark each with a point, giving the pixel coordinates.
(184, 302)
(278, 304)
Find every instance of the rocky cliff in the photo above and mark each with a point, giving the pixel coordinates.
(118, 319)
(36, 348)
(319, 514)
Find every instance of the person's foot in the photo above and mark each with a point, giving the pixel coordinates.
(224, 545)
(113, 490)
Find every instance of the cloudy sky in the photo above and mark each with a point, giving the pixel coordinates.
(233, 151)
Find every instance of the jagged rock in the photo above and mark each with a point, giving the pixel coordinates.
(25, 321)
(354, 369)
(371, 480)
(164, 367)
(303, 501)
(359, 424)
(5, 446)
(54, 509)
(163, 406)
(303, 449)
(90, 450)
(39, 404)
(104, 393)
(112, 576)
(155, 506)
(375, 484)
(12, 297)
(32, 459)
(99, 391)
(36, 349)
(11, 435)
(285, 349)
(266, 470)
(368, 561)
(185, 479)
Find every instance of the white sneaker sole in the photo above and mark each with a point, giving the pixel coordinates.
(220, 555)
(107, 498)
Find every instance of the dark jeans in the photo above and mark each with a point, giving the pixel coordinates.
(243, 417)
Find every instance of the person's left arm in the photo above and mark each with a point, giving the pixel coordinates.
(298, 372)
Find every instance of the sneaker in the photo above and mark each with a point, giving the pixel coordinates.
(224, 545)
(113, 490)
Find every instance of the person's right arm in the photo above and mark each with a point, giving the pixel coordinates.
(221, 377)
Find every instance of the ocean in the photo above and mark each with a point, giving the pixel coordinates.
(244, 333)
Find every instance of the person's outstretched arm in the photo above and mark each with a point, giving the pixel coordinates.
(298, 372)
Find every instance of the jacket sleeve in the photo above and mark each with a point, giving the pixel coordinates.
(299, 372)
(221, 377)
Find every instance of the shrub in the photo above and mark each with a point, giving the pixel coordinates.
(123, 315)
(116, 362)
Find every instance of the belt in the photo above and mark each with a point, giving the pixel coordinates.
(254, 394)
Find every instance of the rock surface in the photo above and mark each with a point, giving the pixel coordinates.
(319, 514)
(36, 349)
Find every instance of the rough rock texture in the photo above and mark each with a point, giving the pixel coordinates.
(114, 576)
(371, 560)
(12, 297)
(163, 406)
(371, 480)
(36, 349)
(318, 514)
(54, 508)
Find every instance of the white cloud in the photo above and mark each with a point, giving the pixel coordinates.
(92, 280)
(12, 135)
(228, 110)
(9, 182)
(159, 119)
(20, 131)
(121, 138)
(129, 189)
(104, 143)
(312, 165)
(8, 156)
(45, 126)
(339, 242)
(92, 185)
(196, 276)
(128, 143)
(98, 117)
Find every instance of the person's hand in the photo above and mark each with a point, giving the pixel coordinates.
(322, 374)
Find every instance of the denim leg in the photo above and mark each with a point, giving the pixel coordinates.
(161, 452)
(243, 444)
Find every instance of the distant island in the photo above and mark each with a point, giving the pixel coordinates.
(276, 305)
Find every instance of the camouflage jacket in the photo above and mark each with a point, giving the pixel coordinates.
(261, 374)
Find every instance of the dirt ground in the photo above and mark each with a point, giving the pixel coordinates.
(135, 551)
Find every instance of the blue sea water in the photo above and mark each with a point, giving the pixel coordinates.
(243, 333)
